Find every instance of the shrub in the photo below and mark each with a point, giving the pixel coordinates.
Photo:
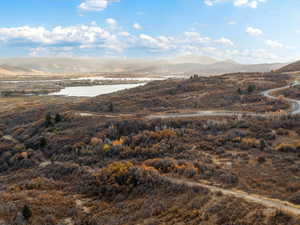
(166, 165)
(106, 147)
(284, 147)
(57, 118)
(115, 178)
(251, 88)
(59, 171)
(111, 107)
(170, 165)
(167, 133)
(118, 142)
(48, 120)
(26, 212)
(239, 91)
(295, 198)
(263, 145)
(95, 141)
(261, 159)
(117, 172)
(250, 142)
(43, 142)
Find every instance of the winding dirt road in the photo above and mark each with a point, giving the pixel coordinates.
(295, 104)
(295, 108)
(267, 202)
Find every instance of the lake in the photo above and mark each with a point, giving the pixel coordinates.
(92, 91)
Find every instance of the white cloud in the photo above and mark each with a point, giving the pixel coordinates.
(84, 39)
(83, 36)
(195, 37)
(157, 43)
(225, 41)
(111, 22)
(238, 3)
(95, 5)
(93, 36)
(147, 38)
(254, 31)
(209, 2)
(137, 26)
(190, 41)
(274, 44)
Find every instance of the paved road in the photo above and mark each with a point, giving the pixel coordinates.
(295, 108)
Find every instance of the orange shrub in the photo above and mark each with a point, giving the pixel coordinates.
(288, 147)
(116, 173)
(167, 133)
(251, 142)
(170, 165)
(237, 139)
(166, 165)
(118, 142)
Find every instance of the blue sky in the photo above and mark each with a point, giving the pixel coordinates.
(247, 31)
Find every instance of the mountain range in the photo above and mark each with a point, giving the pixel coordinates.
(183, 65)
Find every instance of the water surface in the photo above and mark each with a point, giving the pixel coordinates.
(92, 91)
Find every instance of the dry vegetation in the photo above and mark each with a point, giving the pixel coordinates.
(293, 92)
(240, 92)
(57, 167)
(293, 67)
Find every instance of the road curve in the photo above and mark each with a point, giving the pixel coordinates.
(295, 104)
(295, 108)
(267, 202)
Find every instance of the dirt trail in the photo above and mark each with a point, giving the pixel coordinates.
(267, 202)
(295, 108)
(295, 104)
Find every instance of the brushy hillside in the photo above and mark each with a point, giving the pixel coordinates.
(113, 165)
(293, 67)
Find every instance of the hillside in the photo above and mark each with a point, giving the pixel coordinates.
(217, 68)
(14, 70)
(104, 161)
(293, 67)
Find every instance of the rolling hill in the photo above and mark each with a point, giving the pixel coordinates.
(7, 70)
(293, 67)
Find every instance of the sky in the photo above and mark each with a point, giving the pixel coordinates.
(247, 31)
